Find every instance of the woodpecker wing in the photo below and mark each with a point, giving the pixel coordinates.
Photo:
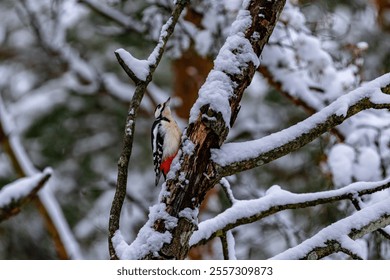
(157, 148)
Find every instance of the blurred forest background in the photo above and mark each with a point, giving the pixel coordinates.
(67, 96)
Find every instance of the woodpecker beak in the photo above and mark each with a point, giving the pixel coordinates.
(168, 101)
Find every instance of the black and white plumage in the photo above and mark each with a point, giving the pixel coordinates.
(165, 139)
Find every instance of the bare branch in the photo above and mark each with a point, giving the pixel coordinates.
(232, 158)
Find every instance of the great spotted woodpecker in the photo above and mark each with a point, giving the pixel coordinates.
(165, 139)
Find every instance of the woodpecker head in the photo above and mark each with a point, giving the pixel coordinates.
(163, 110)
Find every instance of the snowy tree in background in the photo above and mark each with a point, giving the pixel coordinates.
(284, 107)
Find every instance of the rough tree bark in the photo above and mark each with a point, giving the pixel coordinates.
(196, 175)
(141, 85)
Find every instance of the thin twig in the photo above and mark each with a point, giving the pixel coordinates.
(123, 162)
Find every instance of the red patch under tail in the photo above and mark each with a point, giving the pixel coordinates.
(166, 164)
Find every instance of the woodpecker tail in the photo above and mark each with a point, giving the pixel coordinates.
(157, 178)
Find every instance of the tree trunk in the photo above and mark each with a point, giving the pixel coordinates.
(196, 175)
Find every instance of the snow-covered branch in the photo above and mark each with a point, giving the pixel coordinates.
(14, 195)
(51, 35)
(228, 243)
(137, 70)
(341, 236)
(141, 73)
(227, 238)
(124, 20)
(214, 112)
(276, 200)
(65, 243)
(232, 158)
(173, 220)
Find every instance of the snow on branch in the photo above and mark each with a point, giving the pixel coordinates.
(51, 35)
(276, 200)
(211, 117)
(142, 79)
(147, 240)
(232, 158)
(142, 70)
(297, 63)
(340, 236)
(126, 21)
(137, 70)
(14, 195)
(51, 32)
(210, 120)
(228, 243)
(66, 245)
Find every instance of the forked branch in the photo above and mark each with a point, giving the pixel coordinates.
(123, 162)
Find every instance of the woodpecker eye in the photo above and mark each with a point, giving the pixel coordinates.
(158, 106)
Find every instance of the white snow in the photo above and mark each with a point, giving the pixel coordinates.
(117, 88)
(339, 231)
(140, 68)
(231, 245)
(233, 5)
(226, 185)
(362, 45)
(236, 152)
(124, 19)
(274, 198)
(302, 65)
(152, 59)
(293, 16)
(215, 91)
(45, 195)
(368, 165)
(340, 160)
(190, 214)
(203, 42)
(21, 187)
(188, 147)
(148, 240)
(309, 47)
(234, 55)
